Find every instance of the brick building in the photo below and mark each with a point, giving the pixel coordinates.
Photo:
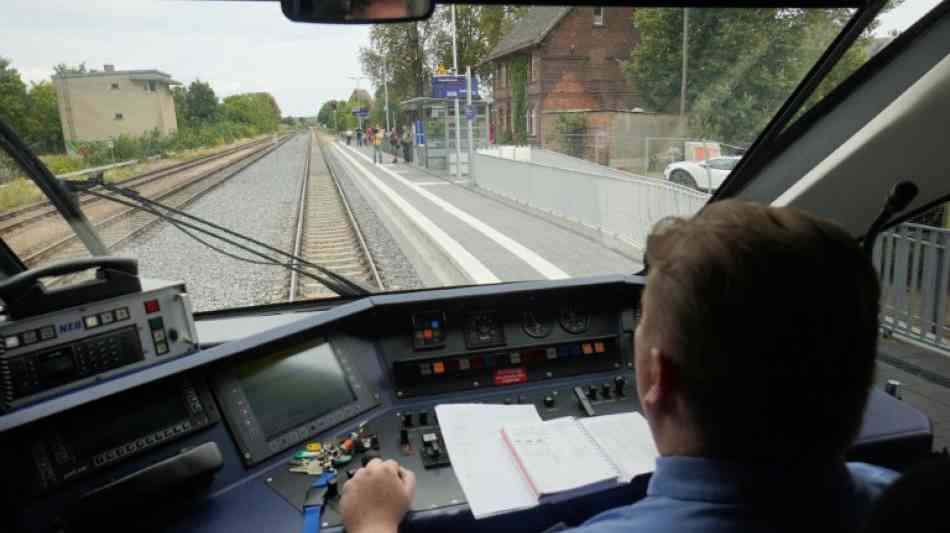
(575, 57)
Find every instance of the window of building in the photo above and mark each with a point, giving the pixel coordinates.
(503, 77)
(599, 16)
(530, 118)
(535, 72)
(152, 86)
(118, 116)
(114, 86)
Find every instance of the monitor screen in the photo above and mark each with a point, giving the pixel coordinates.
(290, 387)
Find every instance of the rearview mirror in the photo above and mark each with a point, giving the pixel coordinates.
(356, 11)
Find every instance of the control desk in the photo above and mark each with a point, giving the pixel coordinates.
(221, 430)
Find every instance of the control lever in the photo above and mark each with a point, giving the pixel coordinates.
(585, 403)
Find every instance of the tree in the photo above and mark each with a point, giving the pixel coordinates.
(743, 63)
(201, 103)
(63, 68)
(257, 109)
(180, 96)
(325, 115)
(397, 52)
(44, 131)
(14, 101)
(479, 30)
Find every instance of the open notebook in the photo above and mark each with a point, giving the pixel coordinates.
(504, 471)
(565, 457)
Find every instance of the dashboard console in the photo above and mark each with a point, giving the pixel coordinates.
(359, 380)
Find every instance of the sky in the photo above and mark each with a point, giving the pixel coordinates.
(236, 46)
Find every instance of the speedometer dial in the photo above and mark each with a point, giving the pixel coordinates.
(537, 325)
(574, 319)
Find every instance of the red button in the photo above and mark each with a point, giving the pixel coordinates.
(151, 306)
(427, 333)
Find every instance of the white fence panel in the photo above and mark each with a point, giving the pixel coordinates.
(623, 205)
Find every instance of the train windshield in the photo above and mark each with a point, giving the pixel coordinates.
(486, 144)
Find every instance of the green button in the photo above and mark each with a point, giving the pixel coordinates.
(156, 323)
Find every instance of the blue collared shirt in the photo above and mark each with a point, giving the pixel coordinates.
(693, 494)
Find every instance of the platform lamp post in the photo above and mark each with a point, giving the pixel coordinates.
(386, 92)
(458, 120)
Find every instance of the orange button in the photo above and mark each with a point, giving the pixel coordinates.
(587, 348)
(438, 367)
(599, 347)
(427, 333)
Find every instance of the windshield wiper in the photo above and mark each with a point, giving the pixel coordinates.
(339, 284)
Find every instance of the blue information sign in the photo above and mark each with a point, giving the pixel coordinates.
(470, 112)
(452, 87)
(361, 112)
(420, 133)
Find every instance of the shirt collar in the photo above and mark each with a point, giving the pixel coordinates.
(703, 479)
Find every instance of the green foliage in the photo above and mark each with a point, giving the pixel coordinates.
(14, 100)
(32, 112)
(743, 63)
(63, 68)
(44, 132)
(398, 54)
(259, 110)
(479, 30)
(201, 103)
(61, 164)
(519, 86)
(568, 133)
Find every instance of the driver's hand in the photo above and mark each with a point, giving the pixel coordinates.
(377, 497)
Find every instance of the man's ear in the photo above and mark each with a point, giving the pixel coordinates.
(660, 380)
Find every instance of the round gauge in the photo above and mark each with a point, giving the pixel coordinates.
(537, 325)
(574, 319)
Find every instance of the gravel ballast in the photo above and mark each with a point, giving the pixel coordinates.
(260, 202)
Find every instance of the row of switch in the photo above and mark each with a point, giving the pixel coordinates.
(409, 419)
(606, 391)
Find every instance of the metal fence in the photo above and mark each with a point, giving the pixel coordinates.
(914, 267)
(614, 202)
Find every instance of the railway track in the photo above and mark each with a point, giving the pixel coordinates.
(125, 224)
(22, 217)
(326, 232)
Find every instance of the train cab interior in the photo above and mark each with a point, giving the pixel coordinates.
(138, 395)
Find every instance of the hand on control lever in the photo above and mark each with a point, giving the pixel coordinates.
(377, 497)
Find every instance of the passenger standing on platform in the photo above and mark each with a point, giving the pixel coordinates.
(378, 136)
(359, 136)
(394, 143)
(407, 145)
(754, 359)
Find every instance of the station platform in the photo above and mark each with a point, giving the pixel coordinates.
(481, 239)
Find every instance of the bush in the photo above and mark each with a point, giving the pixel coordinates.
(61, 164)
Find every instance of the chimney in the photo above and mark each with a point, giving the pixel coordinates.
(108, 67)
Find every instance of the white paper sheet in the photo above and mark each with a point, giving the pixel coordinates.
(482, 462)
(559, 456)
(626, 439)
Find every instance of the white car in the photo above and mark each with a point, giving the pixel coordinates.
(705, 175)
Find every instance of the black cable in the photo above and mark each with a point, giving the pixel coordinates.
(353, 288)
(178, 223)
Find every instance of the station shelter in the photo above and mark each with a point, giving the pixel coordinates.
(433, 131)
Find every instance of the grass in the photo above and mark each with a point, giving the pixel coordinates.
(21, 191)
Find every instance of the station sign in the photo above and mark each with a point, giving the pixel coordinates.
(452, 87)
(361, 112)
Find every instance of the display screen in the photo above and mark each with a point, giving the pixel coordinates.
(123, 418)
(57, 364)
(289, 388)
